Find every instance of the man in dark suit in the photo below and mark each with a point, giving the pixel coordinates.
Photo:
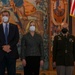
(9, 37)
(64, 52)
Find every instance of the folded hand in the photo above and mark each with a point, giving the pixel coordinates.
(6, 48)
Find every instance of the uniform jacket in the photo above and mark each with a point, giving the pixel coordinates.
(64, 50)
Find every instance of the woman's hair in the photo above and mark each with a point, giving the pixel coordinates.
(28, 25)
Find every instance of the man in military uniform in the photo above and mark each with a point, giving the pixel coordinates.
(64, 52)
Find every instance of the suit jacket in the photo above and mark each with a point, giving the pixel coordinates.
(13, 38)
(32, 46)
(64, 50)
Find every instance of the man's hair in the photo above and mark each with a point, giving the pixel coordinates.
(5, 12)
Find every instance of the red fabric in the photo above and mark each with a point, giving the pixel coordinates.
(72, 9)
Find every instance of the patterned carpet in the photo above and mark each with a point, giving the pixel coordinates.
(48, 73)
(43, 72)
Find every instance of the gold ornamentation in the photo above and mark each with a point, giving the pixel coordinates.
(59, 12)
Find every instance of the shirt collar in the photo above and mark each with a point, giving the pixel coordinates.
(5, 23)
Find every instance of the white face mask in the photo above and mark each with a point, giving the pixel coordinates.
(32, 28)
(5, 19)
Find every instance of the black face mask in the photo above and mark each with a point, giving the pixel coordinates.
(64, 30)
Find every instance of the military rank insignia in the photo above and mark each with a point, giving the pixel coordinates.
(59, 38)
(71, 40)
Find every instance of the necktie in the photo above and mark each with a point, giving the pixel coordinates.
(6, 34)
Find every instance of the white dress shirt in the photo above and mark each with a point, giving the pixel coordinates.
(4, 25)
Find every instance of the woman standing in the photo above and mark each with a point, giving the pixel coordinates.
(32, 51)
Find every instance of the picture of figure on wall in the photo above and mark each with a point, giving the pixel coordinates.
(22, 12)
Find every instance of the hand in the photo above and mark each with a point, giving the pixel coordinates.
(41, 63)
(54, 65)
(24, 62)
(6, 48)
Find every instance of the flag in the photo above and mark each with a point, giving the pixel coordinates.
(72, 9)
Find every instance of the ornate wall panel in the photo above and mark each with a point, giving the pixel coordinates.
(48, 14)
(58, 15)
(22, 11)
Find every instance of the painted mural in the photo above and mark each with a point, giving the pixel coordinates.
(59, 11)
(22, 11)
(59, 16)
